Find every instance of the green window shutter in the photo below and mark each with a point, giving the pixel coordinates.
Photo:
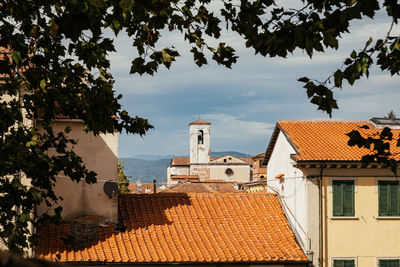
(388, 194)
(338, 263)
(343, 263)
(349, 198)
(394, 198)
(383, 196)
(383, 263)
(337, 198)
(389, 263)
(343, 198)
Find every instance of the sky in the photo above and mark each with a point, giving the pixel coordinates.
(245, 102)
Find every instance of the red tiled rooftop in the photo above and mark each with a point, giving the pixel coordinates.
(209, 186)
(185, 228)
(327, 140)
(185, 177)
(180, 161)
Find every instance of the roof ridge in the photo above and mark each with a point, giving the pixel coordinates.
(171, 194)
(322, 121)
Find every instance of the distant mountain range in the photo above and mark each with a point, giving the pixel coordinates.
(213, 154)
(147, 167)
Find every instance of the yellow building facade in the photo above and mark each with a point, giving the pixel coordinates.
(366, 238)
(345, 213)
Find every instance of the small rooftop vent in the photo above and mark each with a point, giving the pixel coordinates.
(386, 122)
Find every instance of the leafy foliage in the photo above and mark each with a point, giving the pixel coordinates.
(123, 182)
(391, 115)
(55, 63)
(380, 143)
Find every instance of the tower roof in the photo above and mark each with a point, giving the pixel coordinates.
(200, 122)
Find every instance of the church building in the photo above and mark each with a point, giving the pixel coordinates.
(200, 166)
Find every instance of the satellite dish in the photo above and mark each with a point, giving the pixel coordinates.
(110, 188)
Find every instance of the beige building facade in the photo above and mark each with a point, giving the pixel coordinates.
(100, 154)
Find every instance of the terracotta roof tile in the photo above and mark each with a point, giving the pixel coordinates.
(258, 156)
(203, 187)
(185, 177)
(146, 188)
(180, 161)
(327, 140)
(179, 228)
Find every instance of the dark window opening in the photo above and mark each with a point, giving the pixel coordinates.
(229, 172)
(224, 160)
(200, 137)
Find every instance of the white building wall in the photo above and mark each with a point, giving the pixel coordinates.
(291, 187)
(199, 153)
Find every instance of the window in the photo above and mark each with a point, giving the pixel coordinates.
(389, 263)
(200, 137)
(343, 198)
(344, 263)
(229, 172)
(388, 194)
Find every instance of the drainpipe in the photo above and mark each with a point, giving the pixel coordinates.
(321, 227)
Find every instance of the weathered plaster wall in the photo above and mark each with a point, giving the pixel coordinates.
(312, 219)
(100, 154)
(176, 170)
(241, 173)
(199, 153)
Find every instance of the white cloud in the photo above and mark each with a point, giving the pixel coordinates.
(250, 93)
(243, 103)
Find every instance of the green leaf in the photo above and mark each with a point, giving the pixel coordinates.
(303, 79)
(368, 43)
(353, 54)
(23, 217)
(16, 57)
(42, 84)
(338, 77)
(137, 66)
(397, 44)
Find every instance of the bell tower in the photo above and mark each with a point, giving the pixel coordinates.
(199, 142)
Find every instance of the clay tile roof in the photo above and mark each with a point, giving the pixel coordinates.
(209, 186)
(258, 156)
(185, 228)
(247, 159)
(144, 188)
(187, 177)
(180, 161)
(327, 140)
(200, 122)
